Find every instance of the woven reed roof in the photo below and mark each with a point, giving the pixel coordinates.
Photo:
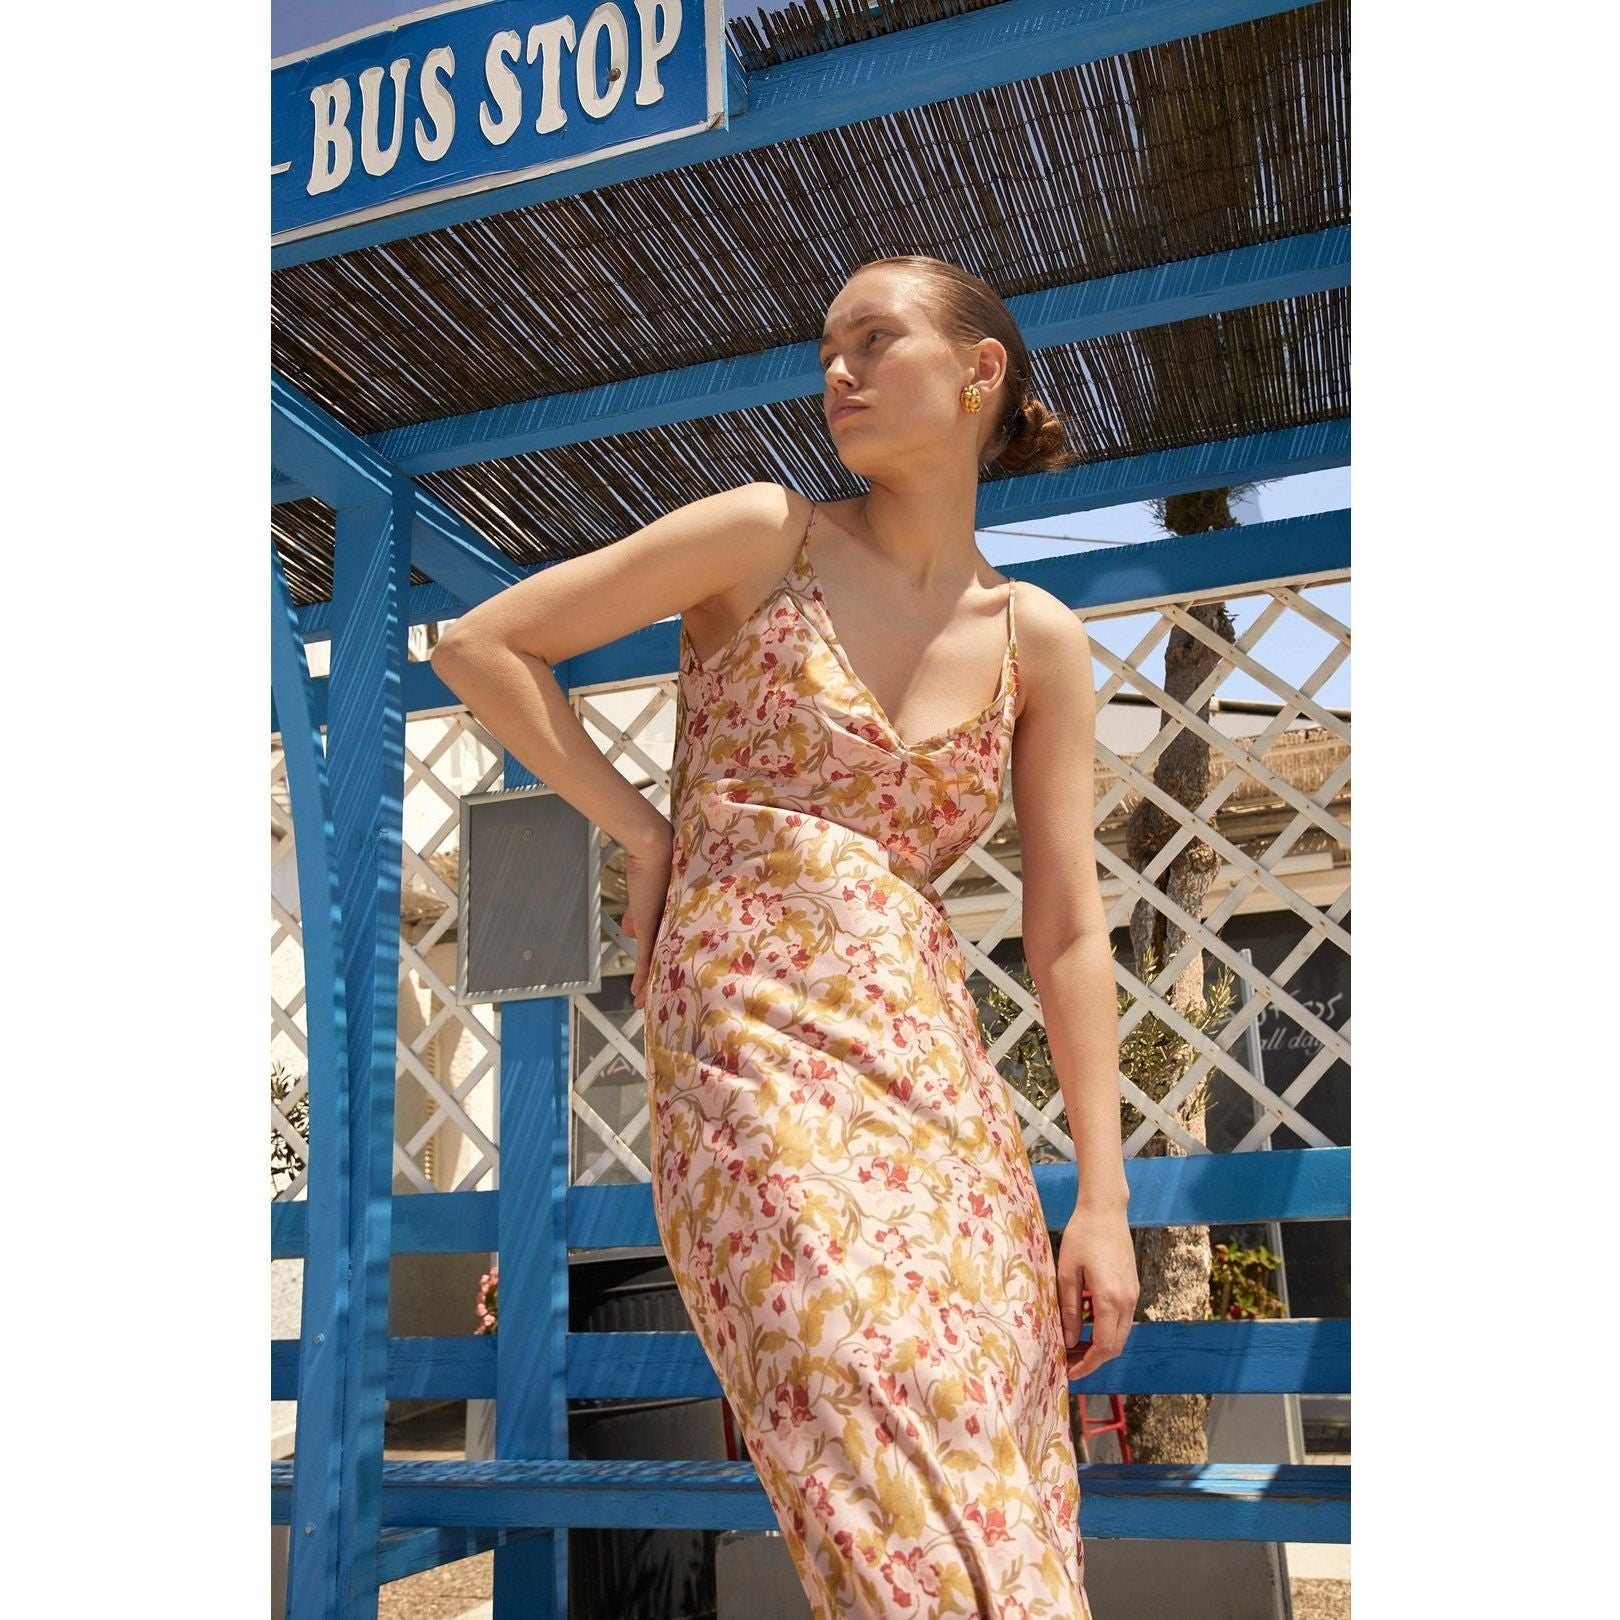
(1219, 141)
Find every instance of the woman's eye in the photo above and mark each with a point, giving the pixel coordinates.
(877, 331)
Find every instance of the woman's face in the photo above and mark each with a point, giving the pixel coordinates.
(881, 352)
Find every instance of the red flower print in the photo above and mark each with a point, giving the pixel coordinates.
(791, 1407)
(910, 1575)
(886, 1171)
(992, 1521)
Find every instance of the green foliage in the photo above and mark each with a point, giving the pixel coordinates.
(1152, 1055)
(1203, 510)
(1237, 1282)
(1028, 1062)
(286, 1165)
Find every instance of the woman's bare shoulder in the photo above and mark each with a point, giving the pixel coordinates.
(1054, 649)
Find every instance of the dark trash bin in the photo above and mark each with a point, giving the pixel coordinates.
(625, 1573)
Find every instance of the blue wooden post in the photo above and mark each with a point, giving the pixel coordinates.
(320, 1364)
(531, 1370)
(337, 1488)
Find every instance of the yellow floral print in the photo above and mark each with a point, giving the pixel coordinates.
(838, 1174)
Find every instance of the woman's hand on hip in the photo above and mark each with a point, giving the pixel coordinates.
(647, 886)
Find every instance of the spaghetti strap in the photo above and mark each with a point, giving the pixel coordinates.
(1012, 620)
(801, 567)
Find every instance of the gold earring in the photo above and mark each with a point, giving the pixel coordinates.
(972, 399)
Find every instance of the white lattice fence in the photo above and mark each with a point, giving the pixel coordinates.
(635, 728)
(1276, 813)
(1306, 774)
(445, 1104)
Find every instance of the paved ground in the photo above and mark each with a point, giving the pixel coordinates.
(1319, 1572)
(1313, 1600)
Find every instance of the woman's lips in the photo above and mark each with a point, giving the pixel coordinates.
(844, 410)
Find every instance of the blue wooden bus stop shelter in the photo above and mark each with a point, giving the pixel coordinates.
(492, 354)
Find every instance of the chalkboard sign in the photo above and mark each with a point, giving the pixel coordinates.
(531, 897)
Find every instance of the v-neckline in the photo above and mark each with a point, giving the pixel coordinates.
(829, 633)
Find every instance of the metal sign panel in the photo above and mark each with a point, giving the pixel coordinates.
(469, 96)
(531, 897)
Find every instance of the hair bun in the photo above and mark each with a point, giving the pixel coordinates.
(1038, 440)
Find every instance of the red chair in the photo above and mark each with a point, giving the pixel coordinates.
(1114, 1423)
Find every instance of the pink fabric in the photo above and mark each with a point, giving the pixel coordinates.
(838, 1174)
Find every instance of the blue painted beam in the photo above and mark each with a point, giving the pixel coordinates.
(333, 1564)
(1216, 1501)
(1309, 549)
(1052, 317)
(429, 604)
(324, 1316)
(1226, 1189)
(459, 1367)
(1279, 1184)
(422, 1223)
(283, 488)
(847, 84)
(1299, 1184)
(455, 555)
(531, 1363)
(424, 692)
(611, 1216)
(1078, 579)
(1126, 479)
(1302, 1356)
(433, 603)
(1172, 1501)
(1298, 548)
(408, 1552)
(311, 447)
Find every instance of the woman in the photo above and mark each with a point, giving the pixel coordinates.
(838, 1172)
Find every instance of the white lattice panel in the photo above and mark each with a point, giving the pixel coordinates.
(445, 1104)
(635, 728)
(1276, 813)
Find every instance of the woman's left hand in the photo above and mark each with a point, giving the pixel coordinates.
(1096, 1255)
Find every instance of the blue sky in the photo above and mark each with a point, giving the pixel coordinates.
(1292, 647)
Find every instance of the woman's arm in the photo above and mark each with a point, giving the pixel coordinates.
(497, 658)
(1066, 945)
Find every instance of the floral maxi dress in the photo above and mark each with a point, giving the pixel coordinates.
(838, 1176)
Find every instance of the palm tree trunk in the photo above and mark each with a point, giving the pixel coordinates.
(1173, 1263)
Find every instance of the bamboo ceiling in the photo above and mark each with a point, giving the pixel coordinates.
(1214, 142)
